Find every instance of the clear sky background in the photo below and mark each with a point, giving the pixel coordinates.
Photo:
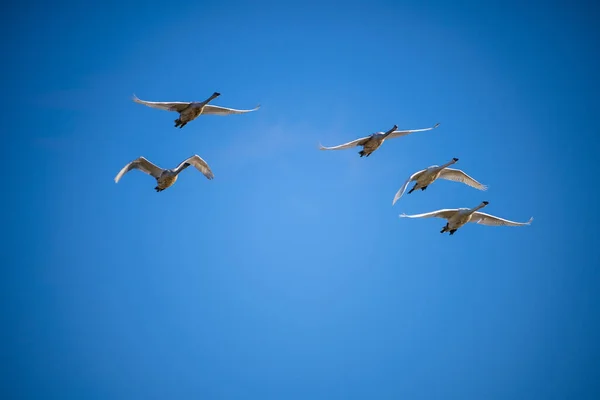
(290, 275)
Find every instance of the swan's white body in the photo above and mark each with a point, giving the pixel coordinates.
(458, 217)
(165, 177)
(373, 142)
(427, 176)
(189, 111)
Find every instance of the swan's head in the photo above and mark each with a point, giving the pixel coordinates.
(455, 159)
(485, 203)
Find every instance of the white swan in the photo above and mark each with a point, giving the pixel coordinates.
(427, 176)
(458, 217)
(165, 177)
(189, 111)
(372, 142)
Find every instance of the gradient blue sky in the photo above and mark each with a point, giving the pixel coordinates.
(290, 275)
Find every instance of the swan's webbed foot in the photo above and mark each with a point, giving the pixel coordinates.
(423, 188)
(362, 153)
(452, 231)
(411, 190)
(445, 229)
(158, 189)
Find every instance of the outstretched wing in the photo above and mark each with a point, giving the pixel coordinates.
(446, 213)
(354, 143)
(457, 175)
(404, 133)
(490, 220)
(413, 177)
(143, 165)
(216, 110)
(167, 106)
(198, 163)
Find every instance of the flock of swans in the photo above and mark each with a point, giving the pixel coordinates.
(456, 218)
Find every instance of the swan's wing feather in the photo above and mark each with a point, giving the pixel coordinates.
(400, 192)
(404, 133)
(161, 105)
(457, 175)
(354, 143)
(198, 163)
(491, 220)
(444, 213)
(143, 165)
(216, 110)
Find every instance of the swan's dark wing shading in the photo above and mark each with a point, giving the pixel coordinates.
(198, 163)
(413, 177)
(143, 165)
(177, 106)
(457, 175)
(216, 110)
(490, 220)
(354, 143)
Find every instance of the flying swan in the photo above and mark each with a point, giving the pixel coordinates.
(189, 111)
(372, 142)
(458, 217)
(165, 177)
(428, 175)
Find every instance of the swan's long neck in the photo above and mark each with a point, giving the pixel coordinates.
(449, 163)
(479, 207)
(390, 131)
(212, 97)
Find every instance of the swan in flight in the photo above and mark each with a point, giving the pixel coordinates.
(427, 176)
(165, 177)
(458, 217)
(372, 142)
(189, 111)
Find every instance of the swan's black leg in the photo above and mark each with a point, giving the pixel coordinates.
(452, 231)
(423, 188)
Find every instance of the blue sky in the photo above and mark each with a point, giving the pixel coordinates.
(290, 275)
